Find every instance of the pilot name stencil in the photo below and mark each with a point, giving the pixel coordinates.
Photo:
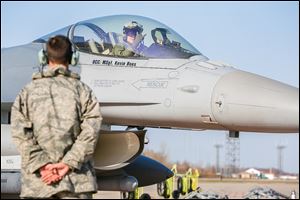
(114, 63)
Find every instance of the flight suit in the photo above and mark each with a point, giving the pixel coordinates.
(124, 49)
(56, 118)
(121, 51)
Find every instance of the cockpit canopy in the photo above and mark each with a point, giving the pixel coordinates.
(102, 36)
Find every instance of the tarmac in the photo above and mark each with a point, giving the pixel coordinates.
(234, 189)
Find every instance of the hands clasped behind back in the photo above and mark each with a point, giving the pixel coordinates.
(52, 173)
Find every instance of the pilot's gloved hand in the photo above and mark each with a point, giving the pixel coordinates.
(138, 39)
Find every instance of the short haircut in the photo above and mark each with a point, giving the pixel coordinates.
(59, 49)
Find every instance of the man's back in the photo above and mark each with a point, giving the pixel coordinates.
(61, 119)
(55, 108)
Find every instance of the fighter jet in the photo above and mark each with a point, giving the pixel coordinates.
(164, 82)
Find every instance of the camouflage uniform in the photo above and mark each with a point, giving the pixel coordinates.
(56, 118)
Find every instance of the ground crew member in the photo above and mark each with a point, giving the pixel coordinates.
(55, 124)
(132, 42)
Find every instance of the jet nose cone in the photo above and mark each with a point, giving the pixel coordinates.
(248, 102)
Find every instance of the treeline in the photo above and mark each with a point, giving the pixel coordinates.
(208, 171)
(182, 167)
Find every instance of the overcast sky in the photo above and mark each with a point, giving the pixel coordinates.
(258, 37)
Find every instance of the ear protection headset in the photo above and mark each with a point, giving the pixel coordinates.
(43, 57)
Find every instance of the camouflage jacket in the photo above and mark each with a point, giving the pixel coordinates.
(56, 118)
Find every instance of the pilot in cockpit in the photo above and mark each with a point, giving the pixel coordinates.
(132, 44)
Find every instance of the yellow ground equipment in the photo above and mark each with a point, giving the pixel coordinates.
(135, 194)
(165, 189)
(188, 182)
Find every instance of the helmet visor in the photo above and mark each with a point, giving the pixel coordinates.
(131, 32)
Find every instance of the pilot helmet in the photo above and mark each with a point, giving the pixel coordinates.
(132, 28)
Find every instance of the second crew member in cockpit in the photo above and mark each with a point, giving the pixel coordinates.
(132, 44)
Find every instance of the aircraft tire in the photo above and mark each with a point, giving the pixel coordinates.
(160, 188)
(179, 185)
(175, 194)
(145, 196)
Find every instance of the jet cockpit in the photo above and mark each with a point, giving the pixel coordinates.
(101, 35)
